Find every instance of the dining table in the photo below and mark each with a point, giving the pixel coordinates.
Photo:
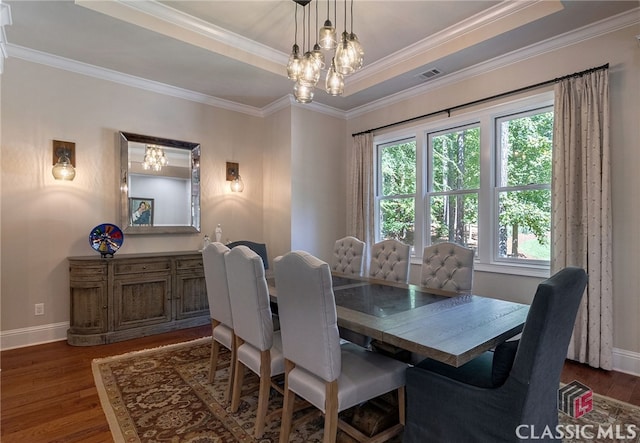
(450, 327)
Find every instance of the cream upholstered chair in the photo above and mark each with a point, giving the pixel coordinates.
(258, 248)
(390, 261)
(348, 256)
(447, 266)
(331, 377)
(258, 347)
(219, 308)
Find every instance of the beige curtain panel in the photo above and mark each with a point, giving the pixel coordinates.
(581, 211)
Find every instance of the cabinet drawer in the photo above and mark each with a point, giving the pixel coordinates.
(142, 267)
(87, 272)
(189, 263)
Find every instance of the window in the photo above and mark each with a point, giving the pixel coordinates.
(523, 185)
(396, 202)
(482, 180)
(454, 182)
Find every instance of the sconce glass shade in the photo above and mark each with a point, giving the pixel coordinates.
(327, 36)
(63, 170)
(237, 185)
(334, 82)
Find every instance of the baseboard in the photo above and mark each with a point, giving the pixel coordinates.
(36, 335)
(626, 361)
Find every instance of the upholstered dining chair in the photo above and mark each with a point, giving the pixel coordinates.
(447, 266)
(390, 261)
(488, 398)
(258, 248)
(219, 308)
(330, 376)
(348, 256)
(258, 347)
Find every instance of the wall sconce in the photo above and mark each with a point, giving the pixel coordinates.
(64, 160)
(233, 176)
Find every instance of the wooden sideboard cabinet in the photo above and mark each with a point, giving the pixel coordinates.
(134, 295)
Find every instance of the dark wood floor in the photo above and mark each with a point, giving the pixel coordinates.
(48, 394)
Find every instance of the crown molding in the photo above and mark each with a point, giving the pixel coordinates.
(77, 67)
(612, 24)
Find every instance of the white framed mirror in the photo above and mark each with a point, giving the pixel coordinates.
(159, 185)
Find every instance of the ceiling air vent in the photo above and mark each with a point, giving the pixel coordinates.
(428, 75)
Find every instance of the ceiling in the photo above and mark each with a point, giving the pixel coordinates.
(235, 51)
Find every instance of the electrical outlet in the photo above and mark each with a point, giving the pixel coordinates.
(39, 308)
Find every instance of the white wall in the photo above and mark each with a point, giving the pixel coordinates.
(621, 50)
(318, 180)
(43, 221)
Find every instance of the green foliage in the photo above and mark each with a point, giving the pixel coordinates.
(398, 213)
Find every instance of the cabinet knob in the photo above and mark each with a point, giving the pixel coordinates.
(104, 307)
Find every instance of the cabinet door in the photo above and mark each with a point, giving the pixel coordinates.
(88, 292)
(141, 300)
(191, 290)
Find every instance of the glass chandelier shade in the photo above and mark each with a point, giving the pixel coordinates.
(346, 56)
(318, 55)
(294, 67)
(310, 73)
(154, 158)
(302, 93)
(327, 37)
(334, 84)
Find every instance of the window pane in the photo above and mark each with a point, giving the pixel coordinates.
(525, 224)
(398, 167)
(397, 219)
(456, 160)
(525, 150)
(454, 218)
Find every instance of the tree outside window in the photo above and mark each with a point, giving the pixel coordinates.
(454, 186)
(397, 191)
(523, 185)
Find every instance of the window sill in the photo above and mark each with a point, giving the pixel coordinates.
(511, 269)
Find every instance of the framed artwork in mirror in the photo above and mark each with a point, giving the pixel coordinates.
(141, 211)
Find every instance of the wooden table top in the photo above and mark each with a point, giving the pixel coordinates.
(441, 325)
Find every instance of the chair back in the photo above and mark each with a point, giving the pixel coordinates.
(215, 276)
(544, 342)
(390, 261)
(308, 319)
(348, 256)
(447, 266)
(258, 248)
(249, 297)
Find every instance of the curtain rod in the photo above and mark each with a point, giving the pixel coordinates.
(482, 100)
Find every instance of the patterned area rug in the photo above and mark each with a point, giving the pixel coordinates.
(163, 395)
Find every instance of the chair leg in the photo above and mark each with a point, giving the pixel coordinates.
(238, 378)
(213, 360)
(287, 406)
(232, 369)
(263, 395)
(331, 412)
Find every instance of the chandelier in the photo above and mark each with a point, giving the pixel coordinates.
(346, 53)
(154, 158)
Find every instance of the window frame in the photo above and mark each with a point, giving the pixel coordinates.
(486, 118)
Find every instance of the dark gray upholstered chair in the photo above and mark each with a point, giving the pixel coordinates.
(258, 248)
(486, 399)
